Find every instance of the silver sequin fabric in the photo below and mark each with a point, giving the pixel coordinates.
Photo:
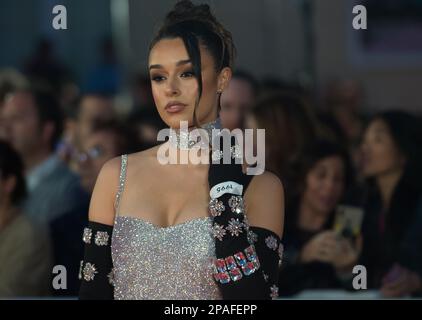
(156, 263)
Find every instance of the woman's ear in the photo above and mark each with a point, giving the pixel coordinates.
(224, 79)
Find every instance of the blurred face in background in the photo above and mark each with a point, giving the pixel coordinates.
(93, 109)
(21, 124)
(97, 149)
(380, 154)
(324, 185)
(236, 100)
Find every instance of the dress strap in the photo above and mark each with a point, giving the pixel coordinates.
(122, 180)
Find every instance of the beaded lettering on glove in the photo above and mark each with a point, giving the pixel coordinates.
(233, 268)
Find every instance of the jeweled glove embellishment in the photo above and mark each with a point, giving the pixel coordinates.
(110, 277)
(217, 155)
(252, 237)
(216, 207)
(274, 292)
(89, 271)
(218, 231)
(280, 254)
(236, 204)
(236, 152)
(233, 268)
(271, 242)
(80, 269)
(87, 235)
(101, 238)
(235, 227)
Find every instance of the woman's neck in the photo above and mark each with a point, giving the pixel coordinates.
(387, 183)
(184, 138)
(309, 218)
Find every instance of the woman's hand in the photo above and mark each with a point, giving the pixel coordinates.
(347, 253)
(328, 247)
(320, 248)
(400, 282)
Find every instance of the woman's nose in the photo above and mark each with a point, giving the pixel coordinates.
(172, 88)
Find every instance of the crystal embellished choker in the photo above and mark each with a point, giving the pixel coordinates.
(184, 141)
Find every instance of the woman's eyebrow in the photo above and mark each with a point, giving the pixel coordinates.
(183, 62)
(179, 63)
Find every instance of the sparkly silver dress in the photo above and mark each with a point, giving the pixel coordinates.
(152, 262)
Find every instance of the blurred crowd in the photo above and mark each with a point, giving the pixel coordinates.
(352, 178)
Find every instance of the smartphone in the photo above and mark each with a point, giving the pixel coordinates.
(348, 221)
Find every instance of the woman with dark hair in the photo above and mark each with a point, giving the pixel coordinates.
(316, 256)
(392, 161)
(24, 250)
(167, 223)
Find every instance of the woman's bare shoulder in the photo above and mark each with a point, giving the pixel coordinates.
(101, 208)
(268, 181)
(139, 165)
(265, 202)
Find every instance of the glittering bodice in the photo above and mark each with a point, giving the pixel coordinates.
(152, 262)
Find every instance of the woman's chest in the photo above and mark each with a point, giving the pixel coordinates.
(166, 199)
